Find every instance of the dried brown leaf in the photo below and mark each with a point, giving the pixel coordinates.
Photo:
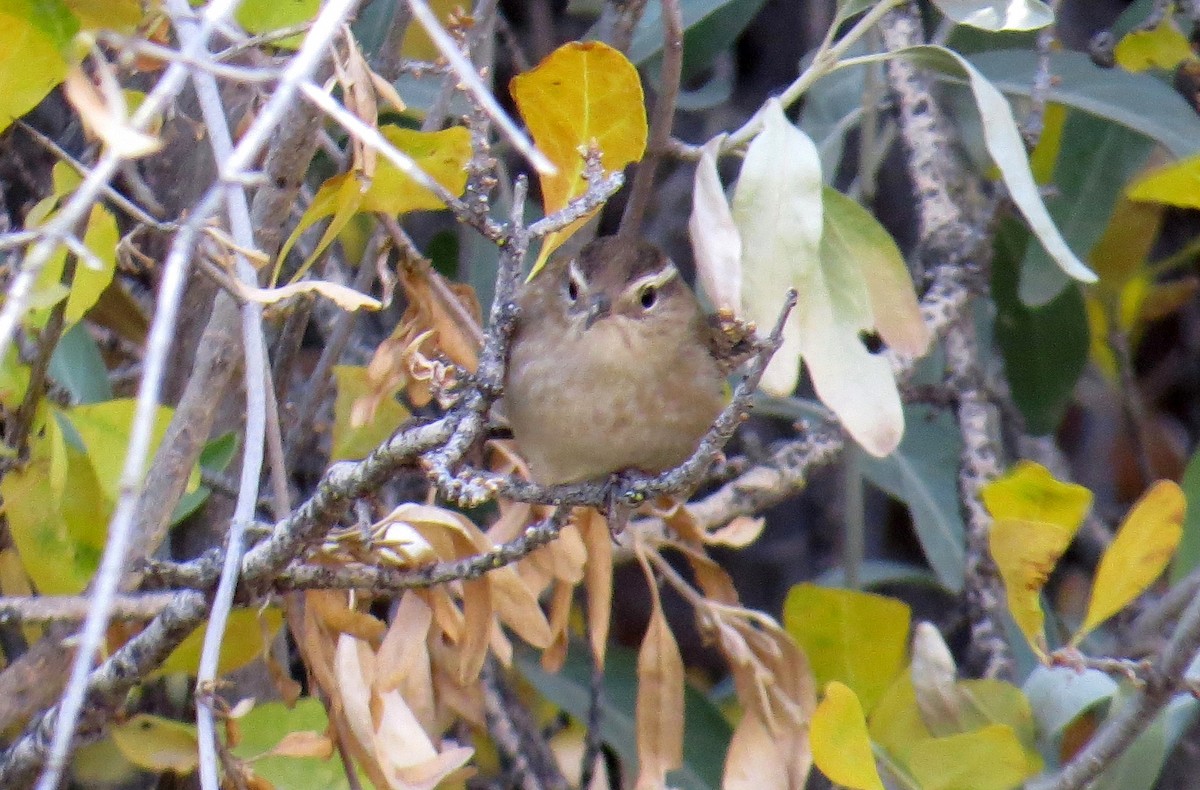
(517, 606)
(403, 650)
(304, 743)
(560, 615)
(598, 580)
(659, 711)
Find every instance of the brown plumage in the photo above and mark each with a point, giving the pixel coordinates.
(611, 366)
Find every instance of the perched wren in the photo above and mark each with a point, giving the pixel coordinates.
(612, 365)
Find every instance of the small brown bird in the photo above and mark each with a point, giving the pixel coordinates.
(611, 367)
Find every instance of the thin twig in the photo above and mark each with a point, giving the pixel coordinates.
(663, 120)
(470, 79)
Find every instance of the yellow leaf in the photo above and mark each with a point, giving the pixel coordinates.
(1138, 554)
(990, 758)
(356, 441)
(840, 745)
(441, 155)
(1176, 184)
(157, 744)
(853, 637)
(1161, 47)
(1025, 553)
(580, 95)
(1036, 518)
(1030, 493)
(659, 712)
(247, 635)
(33, 37)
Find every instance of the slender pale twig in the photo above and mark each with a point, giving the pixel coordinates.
(159, 341)
(470, 80)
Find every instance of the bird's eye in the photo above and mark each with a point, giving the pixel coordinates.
(572, 290)
(648, 296)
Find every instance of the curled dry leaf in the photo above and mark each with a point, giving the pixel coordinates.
(776, 690)
(304, 743)
(343, 296)
(105, 115)
(385, 728)
(659, 710)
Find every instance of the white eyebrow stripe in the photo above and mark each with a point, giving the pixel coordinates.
(656, 280)
(574, 273)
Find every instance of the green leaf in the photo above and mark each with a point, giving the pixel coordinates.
(1187, 556)
(77, 366)
(923, 474)
(1045, 349)
(998, 15)
(1059, 695)
(1004, 144)
(157, 744)
(706, 733)
(1139, 765)
(856, 638)
(33, 39)
(14, 379)
(267, 724)
(1095, 162)
(1137, 101)
(710, 27)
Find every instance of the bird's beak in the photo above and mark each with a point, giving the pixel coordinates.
(599, 307)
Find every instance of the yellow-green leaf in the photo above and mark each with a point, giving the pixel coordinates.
(267, 725)
(1036, 518)
(990, 758)
(14, 379)
(1161, 47)
(1138, 554)
(88, 283)
(1176, 184)
(349, 440)
(416, 44)
(122, 16)
(263, 16)
(247, 635)
(104, 428)
(895, 721)
(852, 637)
(582, 94)
(33, 37)
(441, 155)
(157, 744)
(841, 748)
